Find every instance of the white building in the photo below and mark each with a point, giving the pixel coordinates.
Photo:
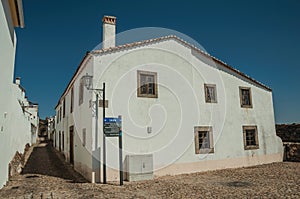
(29, 111)
(182, 109)
(51, 127)
(15, 110)
(32, 111)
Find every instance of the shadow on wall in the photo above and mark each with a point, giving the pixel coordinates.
(17, 163)
(44, 160)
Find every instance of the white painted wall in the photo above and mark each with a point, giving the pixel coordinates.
(32, 111)
(81, 118)
(180, 107)
(14, 124)
(51, 128)
(21, 120)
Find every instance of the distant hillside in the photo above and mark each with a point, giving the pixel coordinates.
(288, 132)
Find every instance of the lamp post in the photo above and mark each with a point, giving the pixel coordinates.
(88, 83)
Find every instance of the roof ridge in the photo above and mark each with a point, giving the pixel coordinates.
(163, 38)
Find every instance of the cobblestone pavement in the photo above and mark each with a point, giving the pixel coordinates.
(47, 176)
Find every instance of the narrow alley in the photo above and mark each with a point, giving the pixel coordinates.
(44, 160)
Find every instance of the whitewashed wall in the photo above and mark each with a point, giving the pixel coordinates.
(81, 118)
(21, 120)
(32, 111)
(180, 107)
(14, 125)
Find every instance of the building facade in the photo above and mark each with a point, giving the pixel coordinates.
(182, 109)
(51, 128)
(18, 116)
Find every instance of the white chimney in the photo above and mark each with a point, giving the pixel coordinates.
(109, 32)
(18, 80)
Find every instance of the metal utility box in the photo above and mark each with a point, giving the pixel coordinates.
(139, 167)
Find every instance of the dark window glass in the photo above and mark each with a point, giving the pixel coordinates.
(147, 86)
(210, 93)
(72, 100)
(203, 137)
(64, 108)
(250, 137)
(246, 97)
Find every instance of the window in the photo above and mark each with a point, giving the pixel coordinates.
(81, 91)
(60, 114)
(63, 141)
(72, 100)
(57, 116)
(83, 137)
(147, 84)
(203, 140)
(250, 137)
(59, 141)
(245, 97)
(210, 93)
(64, 108)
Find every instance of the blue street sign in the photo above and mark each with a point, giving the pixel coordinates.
(112, 126)
(112, 119)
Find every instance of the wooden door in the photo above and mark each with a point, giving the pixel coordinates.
(71, 145)
(59, 141)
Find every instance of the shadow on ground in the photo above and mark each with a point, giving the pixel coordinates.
(45, 160)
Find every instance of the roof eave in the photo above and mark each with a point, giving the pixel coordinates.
(183, 42)
(87, 55)
(21, 14)
(140, 43)
(16, 10)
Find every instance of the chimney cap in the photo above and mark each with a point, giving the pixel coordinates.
(109, 19)
(18, 81)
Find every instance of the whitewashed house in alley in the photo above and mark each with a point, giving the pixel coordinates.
(18, 116)
(182, 110)
(51, 128)
(29, 111)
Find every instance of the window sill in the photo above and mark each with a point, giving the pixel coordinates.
(251, 147)
(147, 96)
(246, 106)
(211, 102)
(205, 151)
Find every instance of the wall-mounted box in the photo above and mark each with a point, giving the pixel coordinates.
(138, 167)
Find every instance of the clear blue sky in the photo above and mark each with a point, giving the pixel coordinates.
(259, 38)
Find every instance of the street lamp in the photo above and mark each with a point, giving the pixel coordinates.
(88, 83)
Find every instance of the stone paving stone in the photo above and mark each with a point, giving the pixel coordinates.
(48, 176)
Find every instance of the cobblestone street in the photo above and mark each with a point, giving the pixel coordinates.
(46, 175)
